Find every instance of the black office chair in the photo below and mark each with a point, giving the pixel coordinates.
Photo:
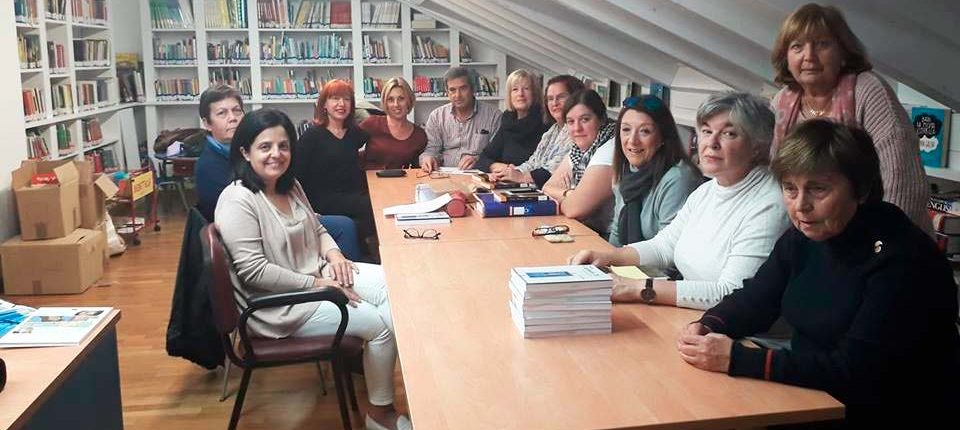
(255, 352)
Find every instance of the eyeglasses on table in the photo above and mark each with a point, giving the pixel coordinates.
(434, 175)
(429, 234)
(544, 230)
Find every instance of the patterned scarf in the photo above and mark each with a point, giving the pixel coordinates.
(842, 109)
(579, 158)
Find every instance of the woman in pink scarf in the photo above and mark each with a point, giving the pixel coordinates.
(825, 73)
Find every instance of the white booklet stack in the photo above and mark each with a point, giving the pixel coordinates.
(54, 327)
(561, 300)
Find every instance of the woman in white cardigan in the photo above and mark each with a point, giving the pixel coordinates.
(278, 245)
(728, 225)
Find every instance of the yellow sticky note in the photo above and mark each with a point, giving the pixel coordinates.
(632, 272)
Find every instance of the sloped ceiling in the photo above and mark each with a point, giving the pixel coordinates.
(916, 42)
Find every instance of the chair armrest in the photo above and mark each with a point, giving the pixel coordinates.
(330, 294)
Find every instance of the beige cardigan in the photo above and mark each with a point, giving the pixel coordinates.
(272, 253)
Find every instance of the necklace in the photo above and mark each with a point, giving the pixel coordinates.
(816, 112)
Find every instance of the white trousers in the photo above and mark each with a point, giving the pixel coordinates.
(371, 321)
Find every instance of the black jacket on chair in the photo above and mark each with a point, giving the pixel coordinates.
(191, 333)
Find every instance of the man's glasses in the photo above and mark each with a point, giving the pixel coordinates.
(544, 230)
(434, 175)
(412, 233)
(649, 102)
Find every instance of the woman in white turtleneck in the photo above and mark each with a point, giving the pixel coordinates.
(727, 227)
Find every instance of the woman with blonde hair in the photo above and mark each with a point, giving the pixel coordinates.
(395, 142)
(521, 126)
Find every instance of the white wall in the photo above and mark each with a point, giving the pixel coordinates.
(13, 145)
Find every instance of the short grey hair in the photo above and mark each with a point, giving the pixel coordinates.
(457, 73)
(750, 114)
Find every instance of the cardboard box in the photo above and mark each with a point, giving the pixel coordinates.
(68, 265)
(95, 189)
(47, 211)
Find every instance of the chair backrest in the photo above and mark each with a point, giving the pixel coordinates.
(217, 262)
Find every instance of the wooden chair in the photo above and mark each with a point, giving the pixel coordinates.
(255, 352)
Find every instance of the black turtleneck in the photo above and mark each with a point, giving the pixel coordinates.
(515, 141)
(874, 311)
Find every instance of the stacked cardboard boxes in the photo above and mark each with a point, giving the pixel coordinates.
(62, 243)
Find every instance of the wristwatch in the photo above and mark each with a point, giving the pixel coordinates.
(648, 294)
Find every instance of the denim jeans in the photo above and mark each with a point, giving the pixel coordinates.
(344, 232)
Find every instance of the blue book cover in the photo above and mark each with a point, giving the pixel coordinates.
(933, 130)
(489, 207)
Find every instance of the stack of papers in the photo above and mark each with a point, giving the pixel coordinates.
(561, 300)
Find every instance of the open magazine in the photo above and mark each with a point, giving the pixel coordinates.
(54, 327)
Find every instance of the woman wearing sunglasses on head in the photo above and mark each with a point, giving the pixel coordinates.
(581, 184)
(277, 245)
(727, 226)
(652, 174)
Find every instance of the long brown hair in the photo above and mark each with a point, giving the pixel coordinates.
(810, 21)
(669, 154)
(336, 87)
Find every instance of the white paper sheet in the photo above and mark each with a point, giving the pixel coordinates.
(418, 208)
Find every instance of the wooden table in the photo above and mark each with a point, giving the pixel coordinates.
(385, 192)
(76, 387)
(466, 366)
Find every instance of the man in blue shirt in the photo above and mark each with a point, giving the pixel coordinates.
(221, 109)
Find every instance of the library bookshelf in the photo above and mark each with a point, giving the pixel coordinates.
(68, 79)
(280, 52)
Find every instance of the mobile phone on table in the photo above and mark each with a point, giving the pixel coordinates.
(392, 173)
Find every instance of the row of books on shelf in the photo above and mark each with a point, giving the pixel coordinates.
(56, 9)
(229, 52)
(91, 132)
(56, 56)
(90, 11)
(179, 52)
(37, 141)
(62, 99)
(380, 15)
(26, 11)
(91, 52)
(34, 107)
(226, 13)
(426, 50)
(292, 88)
(171, 14)
(331, 48)
(303, 14)
(93, 94)
(131, 85)
(372, 87)
(231, 77)
(436, 86)
(376, 51)
(177, 89)
(28, 50)
(130, 77)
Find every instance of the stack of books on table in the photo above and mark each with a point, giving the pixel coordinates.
(944, 211)
(561, 300)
